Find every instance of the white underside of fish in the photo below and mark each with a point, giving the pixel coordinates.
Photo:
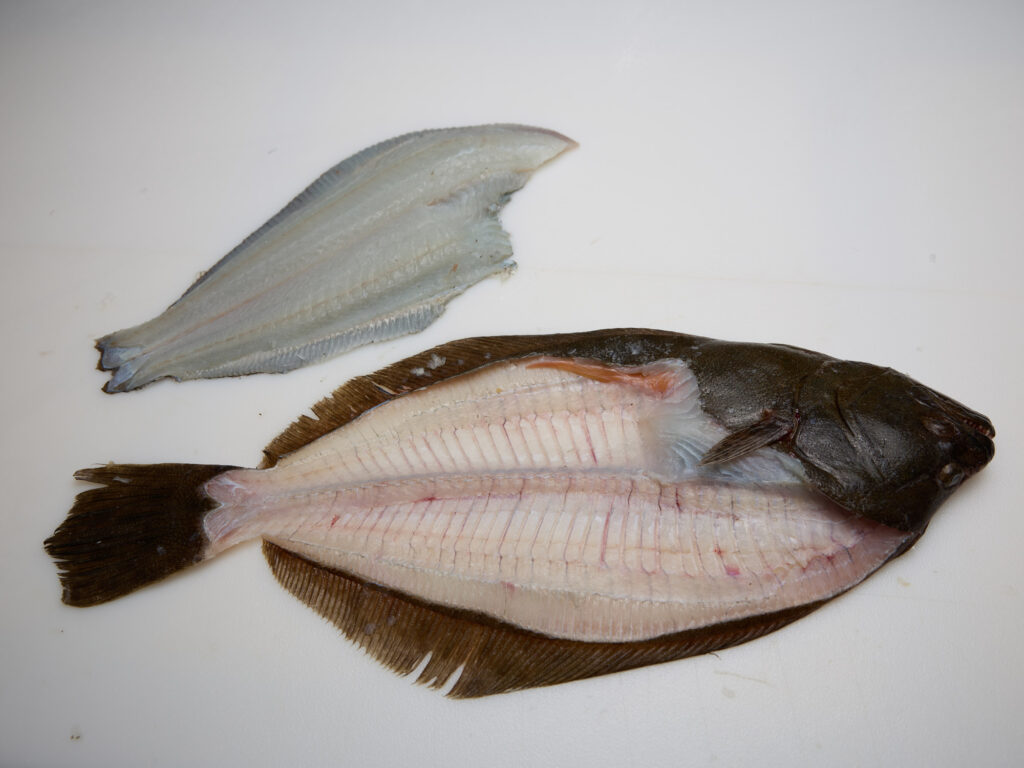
(560, 497)
(374, 249)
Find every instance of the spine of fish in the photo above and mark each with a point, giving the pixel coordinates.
(373, 249)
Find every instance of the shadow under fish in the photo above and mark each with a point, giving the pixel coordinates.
(530, 510)
(373, 249)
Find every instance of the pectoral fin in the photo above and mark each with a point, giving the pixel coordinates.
(771, 428)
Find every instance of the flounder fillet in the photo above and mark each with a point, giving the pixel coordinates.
(532, 510)
(373, 249)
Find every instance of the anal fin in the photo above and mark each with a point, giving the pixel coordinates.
(400, 631)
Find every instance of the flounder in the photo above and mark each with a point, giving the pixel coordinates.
(373, 249)
(530, 510)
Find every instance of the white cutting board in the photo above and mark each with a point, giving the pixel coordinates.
(845, 177)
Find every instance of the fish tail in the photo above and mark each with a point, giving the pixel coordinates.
(144, 522)
(123, 359)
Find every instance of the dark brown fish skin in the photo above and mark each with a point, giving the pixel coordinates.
(885, 445)
(871, 439)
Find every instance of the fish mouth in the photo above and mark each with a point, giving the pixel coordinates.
(980, 450)
(967, 417)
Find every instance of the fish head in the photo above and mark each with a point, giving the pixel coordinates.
(885, 446)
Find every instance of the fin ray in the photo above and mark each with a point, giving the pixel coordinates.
(614, 346)
(142, 524)
(743, 442)
(489, 656)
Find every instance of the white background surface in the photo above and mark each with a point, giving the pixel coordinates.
(847, 177)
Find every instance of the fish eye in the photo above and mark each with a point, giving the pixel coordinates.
(939, 427)
(951, 475)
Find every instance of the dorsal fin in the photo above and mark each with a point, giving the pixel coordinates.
(489, 656)
(620, 346)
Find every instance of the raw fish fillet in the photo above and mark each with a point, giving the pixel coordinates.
(373, 249)
(529, 510)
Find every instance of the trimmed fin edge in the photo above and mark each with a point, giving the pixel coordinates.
(473, 655)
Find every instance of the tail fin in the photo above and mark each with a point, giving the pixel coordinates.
(146, 522)
(123, 360)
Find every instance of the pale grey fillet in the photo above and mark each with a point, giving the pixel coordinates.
(373, 249)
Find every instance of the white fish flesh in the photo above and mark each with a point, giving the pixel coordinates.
(373, 249)
(533, 510)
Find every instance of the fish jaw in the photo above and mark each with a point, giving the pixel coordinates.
(559, 499)
(374, 249)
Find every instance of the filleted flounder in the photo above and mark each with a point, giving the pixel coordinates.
(529, 510)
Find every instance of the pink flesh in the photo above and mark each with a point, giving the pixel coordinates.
(543, 493)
